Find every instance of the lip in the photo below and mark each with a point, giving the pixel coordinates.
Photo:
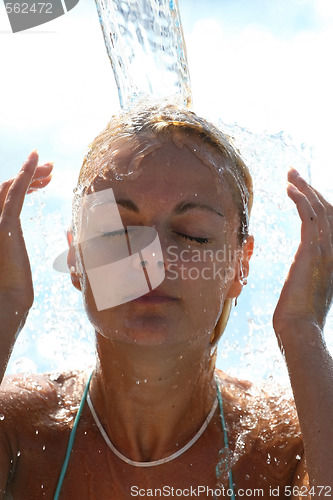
(155, 297)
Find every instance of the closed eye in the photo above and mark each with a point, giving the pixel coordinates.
(193, 238)
(110, 234)
(187, 237)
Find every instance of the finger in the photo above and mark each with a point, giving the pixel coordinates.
(293, 174)
(41, 177)
(15, 196)
(325, 230)
(43, 171)
(329, 210)
(39, 184)
(310, 231)
(326, 204)
(3, 192)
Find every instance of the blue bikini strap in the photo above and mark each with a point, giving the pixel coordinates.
(71, 440)
(224, 463)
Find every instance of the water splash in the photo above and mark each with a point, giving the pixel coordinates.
(135, 33)
(225, 463)
(145, 43)
(249, 349)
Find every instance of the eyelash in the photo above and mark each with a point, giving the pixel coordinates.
(201, 241)
(121, 232)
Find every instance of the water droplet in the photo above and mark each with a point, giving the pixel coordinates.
(225, 463)
(9, 234)
(37, 432)
(18, 453)
(2, 417)
(298, 457)
(138, 382)
(145, 380)
(43, 448)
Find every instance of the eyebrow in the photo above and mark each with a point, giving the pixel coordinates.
(181, 208)
(128, 204)
(184, 207)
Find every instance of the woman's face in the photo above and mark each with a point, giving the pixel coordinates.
(197, 222)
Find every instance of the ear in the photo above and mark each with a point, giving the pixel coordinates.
(71, 260)
(241, 268)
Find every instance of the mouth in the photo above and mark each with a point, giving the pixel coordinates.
(155, 297)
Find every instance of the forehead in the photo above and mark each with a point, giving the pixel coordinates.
(179, 165)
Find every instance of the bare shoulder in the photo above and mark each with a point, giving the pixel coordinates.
(39, 400)
(263, 427)
(36, 416)
(268, 409)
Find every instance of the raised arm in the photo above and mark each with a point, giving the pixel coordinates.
(298, 322)
(16, 290)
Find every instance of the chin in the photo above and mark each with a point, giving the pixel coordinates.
(149, 330)
(144, 329)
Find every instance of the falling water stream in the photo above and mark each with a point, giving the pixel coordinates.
(144, 41)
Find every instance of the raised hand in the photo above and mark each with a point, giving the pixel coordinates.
(307, 293)
(16, 289)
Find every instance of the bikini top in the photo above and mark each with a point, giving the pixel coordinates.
(219, 468)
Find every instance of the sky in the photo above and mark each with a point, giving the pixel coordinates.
(263, 65)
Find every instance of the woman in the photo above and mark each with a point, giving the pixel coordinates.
(152, 426)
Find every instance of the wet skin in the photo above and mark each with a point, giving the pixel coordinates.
(168, 343)
(181, 198)
(267, 460)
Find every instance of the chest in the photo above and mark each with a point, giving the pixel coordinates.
(95, 473)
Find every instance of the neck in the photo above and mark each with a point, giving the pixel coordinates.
(155, 398)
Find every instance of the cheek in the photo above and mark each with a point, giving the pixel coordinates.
(103, 321)
(208, 270)
(202, 286)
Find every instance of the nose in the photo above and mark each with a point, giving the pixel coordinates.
(165, 259)
(145, 264)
